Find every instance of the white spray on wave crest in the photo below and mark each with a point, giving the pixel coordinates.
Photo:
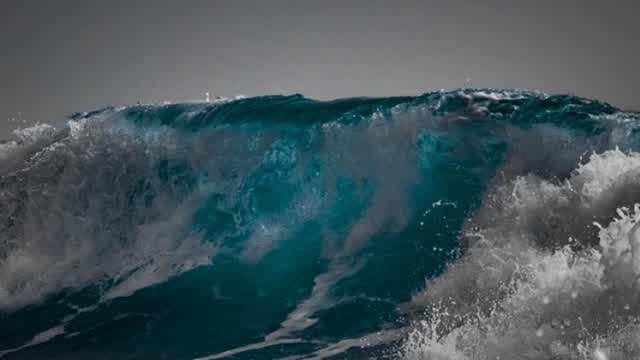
(547, 274)
(72, 217)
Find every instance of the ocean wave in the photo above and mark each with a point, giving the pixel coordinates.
(277, 219)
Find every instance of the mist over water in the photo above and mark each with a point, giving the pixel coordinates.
(474, 224)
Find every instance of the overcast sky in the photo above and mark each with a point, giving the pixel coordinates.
(58, 57)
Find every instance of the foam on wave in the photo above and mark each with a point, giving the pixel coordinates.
(541, 277)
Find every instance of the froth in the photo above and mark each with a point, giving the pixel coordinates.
(81, 205)
(539, 279)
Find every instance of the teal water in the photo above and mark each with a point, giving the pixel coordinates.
(261, 228)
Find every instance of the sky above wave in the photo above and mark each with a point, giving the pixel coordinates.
(58, 58)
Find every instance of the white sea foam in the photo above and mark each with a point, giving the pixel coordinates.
(38, 339)
(539, 280)
(71, 217)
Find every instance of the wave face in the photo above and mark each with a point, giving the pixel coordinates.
(475, 224)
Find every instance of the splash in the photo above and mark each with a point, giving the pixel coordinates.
(535, 283)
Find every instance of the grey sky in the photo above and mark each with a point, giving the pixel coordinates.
(58, 57)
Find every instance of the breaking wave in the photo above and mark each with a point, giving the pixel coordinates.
(474, 224)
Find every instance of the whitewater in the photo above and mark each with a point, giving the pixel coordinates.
(468, 224)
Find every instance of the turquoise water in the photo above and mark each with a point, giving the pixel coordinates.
(261, 228)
